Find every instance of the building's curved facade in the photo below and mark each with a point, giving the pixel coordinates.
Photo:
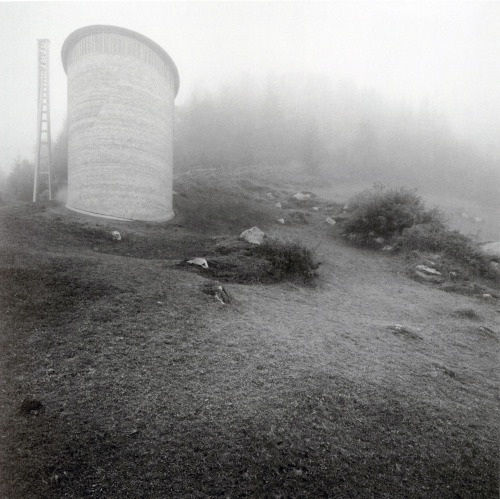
(121, 91)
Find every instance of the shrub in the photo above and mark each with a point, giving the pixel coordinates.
(382, 212)
(288, 259)
(450, 243)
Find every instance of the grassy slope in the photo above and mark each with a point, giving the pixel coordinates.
(152, 388)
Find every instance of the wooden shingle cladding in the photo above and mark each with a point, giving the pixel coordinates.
(120, 127)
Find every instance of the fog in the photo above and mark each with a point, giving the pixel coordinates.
(403, 91)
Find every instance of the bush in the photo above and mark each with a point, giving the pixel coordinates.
(381, 212)
(450, 243)
(288, 259)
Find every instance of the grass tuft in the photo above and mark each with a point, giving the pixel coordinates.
(467, 313)
(288, 260)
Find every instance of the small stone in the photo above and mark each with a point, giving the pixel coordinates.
(407, 331)
(379, 240)
(270, 195)
(315, 208)
(281, 220)
(277, 205)
(427, 270)
(116, 236)
(330, 221)
(487, 296)
(387, 248)
(428, 277)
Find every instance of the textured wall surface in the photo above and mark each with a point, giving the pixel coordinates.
(120, 128)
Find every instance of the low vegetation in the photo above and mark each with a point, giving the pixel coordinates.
(455, 248)
(122, 376)
(206, 207)
(382, 212)
(289, 260)
(399, 218)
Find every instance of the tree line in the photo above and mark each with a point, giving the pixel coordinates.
(337, 130)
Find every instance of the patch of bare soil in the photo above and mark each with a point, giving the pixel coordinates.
(122, 377)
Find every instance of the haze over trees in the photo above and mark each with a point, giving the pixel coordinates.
(334, 130)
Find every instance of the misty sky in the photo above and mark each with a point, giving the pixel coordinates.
(447, 53)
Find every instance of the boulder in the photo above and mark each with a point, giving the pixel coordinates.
(492, 249)
(199, 261)
(300, 196)
(253, 235)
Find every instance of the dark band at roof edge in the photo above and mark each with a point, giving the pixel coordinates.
(87, 30)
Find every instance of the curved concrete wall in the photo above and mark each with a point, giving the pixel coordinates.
(121, 91)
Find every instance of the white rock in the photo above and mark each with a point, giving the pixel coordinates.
(281, 220)
(278, 205)
(379, 240)
(427, 270)
(300, 196)
(387, 248)
(253, 235)
(492, 249)
(315, 208)
(330, 221)
(116, 236)
(486, 295)
(199, 261)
